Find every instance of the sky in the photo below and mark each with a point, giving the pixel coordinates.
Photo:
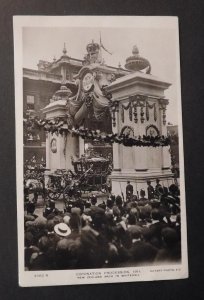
(158, 45)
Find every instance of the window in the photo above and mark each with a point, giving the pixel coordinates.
(30, 100)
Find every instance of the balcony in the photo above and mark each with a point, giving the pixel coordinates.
(41, 75)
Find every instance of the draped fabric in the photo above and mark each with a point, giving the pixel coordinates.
(78, 107)
(74, 107)
(76, 101)
(80, 115)
(100, 102)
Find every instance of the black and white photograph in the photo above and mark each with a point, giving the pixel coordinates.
(99, 150)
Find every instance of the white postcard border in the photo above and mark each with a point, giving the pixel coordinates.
(91, 276)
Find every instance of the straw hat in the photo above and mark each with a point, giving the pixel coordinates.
(62, 229)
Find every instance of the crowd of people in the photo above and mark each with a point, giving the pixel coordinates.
(113, 232)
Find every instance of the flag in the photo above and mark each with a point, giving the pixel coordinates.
(101, 45)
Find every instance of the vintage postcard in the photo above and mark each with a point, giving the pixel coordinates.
(99, 150)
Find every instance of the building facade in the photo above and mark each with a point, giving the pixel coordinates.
(40, 85)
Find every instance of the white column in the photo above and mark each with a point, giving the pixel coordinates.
(116, 157)
(166, 156)
(47, 150)
(61, 147)
(72, 149)
(116, 146)
(81, 146)
(140, 159)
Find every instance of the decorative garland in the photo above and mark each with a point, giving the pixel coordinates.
(150, 106)
(60, 126)
(134, 105)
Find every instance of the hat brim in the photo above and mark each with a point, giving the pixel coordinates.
(60, 233)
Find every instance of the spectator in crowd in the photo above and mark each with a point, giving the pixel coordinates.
(29, 249)
(150, 190)
(39, 259)
(30, 209)
(143, 200)
(171, 251)
(50, 209)
(109, 233)
(129, 190)
(157, 187)
(142, 252)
